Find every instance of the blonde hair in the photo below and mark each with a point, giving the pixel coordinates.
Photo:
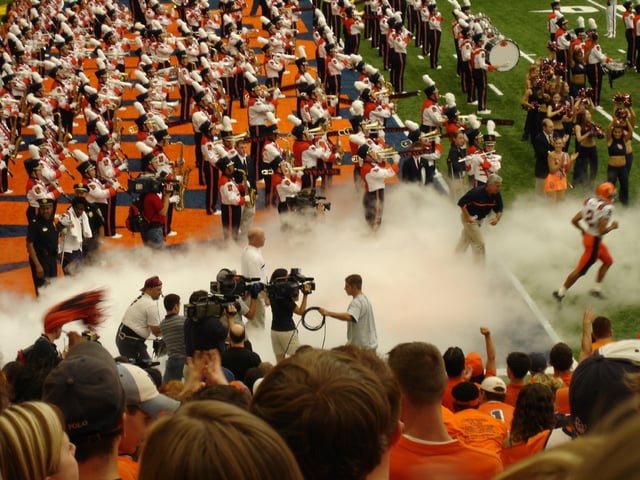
(211, 439)
(30, 441)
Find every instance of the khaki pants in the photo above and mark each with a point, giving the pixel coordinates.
(471, 236)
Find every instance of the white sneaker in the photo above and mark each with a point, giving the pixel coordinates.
(116, 236)
(475, 102)
(8, 192)
(439, 67)
(217, 212)
(172, 233)
(484, 112)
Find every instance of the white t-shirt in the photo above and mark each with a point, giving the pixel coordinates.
(141, 314)
(362, 331)
(252, 264)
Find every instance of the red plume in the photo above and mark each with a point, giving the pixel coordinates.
(84, 306)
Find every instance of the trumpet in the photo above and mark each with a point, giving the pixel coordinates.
(424, 137)
(271, 171)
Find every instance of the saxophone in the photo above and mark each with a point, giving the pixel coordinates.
(248, 188)
(184, 181)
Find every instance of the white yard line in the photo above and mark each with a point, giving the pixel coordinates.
(495, 89)
(527, 56)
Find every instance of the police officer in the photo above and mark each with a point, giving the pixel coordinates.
(42, 244)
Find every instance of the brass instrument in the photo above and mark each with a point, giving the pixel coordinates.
(25, 109)
(271, 171)
(424, 137)
(183, 172)
(248, 188)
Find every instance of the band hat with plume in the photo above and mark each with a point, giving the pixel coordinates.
(86, 307)
(431, 85)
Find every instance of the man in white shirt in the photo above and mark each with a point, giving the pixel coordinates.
(253, 266)
(141, 319)
(361, 327)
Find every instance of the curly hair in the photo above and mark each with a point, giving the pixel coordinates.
(533, 413)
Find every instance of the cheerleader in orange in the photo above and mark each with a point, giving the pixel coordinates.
(560, 164)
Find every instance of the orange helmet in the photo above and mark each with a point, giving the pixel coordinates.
(606, 190)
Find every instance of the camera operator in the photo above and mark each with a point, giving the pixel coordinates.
(206, 333)
(283, 294)
(154, 209)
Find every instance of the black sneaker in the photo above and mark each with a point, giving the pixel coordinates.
(597, 294)
(557, 296)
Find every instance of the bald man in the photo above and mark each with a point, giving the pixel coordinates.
(238, 358)
(253, 266)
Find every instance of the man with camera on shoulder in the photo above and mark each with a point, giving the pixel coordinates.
(155, 207)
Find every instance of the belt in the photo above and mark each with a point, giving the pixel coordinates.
(126, 333)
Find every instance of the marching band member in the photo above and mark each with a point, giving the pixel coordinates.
(480, 67)
(232, 196)
(285, 186)
(434, 33)
(374, 173)
(431, 117)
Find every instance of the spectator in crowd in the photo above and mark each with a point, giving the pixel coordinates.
(457, 371)
(471, 426)
(221, 432)
(144, 405)
(561, 359)
(297, 399)
(474, 359)
(361, 323)
(518, 364)
(603, 381)
(425, 450)
(237, 357)
(538, 363)
(172, 329)
(596, 332)
(86, 388)
(533, 421)
(34, 444)
(493, 391)
(140, 320)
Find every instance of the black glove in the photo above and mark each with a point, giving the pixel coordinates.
(255, 289)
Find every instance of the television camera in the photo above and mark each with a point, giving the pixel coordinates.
(227, 289)
(152, 184)
(291, 285)
(307, 200)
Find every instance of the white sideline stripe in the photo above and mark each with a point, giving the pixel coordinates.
(397, 119)
(495, 89)
(527, 56)
(532, 305)
(606, 115)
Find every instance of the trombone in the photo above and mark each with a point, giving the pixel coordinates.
(271, 171)
(424, 138)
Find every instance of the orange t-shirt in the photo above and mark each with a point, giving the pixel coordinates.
(412, 459)
(498, 410)
(599, 343)
(479, 430)
(128, 468)
(566, 378)
(513, 390)
(533, 445)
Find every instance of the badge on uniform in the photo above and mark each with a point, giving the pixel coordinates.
(230, 187)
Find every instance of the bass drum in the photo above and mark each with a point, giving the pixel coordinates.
(502, 53)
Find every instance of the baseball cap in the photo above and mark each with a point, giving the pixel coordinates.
(152, 282)
(538, 362)
(493, 385)
(86, 388)
(598, 384)
(139, 390)
(474, 360)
